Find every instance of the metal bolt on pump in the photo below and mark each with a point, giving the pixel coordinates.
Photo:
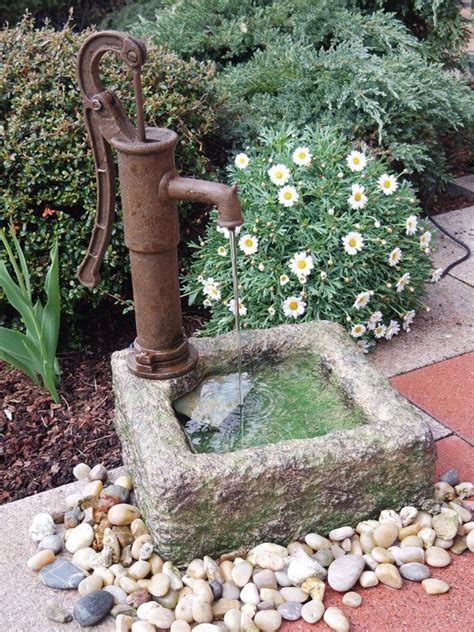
(150, 188)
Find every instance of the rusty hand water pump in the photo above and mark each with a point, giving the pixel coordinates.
(150, 188)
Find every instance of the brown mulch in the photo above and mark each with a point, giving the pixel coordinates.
(446, 202)
(40, 442)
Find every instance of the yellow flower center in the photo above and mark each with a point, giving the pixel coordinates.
(302, 155)
(287, 195)
(352, 243)
(293, 306)
(356, 160)
(278, 175)
(301, 264)
(357, 328)
(357, 196)
(386, 184)
(248, 243)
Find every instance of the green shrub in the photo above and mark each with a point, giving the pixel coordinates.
(47, 184)
(355, 262)
(322, 62)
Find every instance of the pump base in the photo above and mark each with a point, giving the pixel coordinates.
(163, 370)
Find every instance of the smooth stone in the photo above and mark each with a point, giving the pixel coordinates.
(92, 608)
(412, 541)
(202, 611)
(161, 617)
(80, 537)
(117, 491)
(84, 558)
(41, 526)
(337, 550)
(72, 518)
(119, 595)
(93, 583)
(138, 527)
(336, 620)
(173, 574)
(241, 574)
(266, 547)
(202, 590)
(316, 541)
(122, 514)
(451, 477)
(52, 543)
(446, 524)
(139, 570)
(314, 587)
(381, 555)
(282, 578)
(221, 606)
(370, 562)
(123, 608)
(143, 626)
(444, 492)
(290, 610)
(123, 623)
(138, 543)
(408, 515)
(302, 566)
(246, 623)
(55, 612)
(268, 620)
(213, 570)
(40, 559)
(352, 599)
(435, 586)
(127, 584)
(368, 579)
(206, 627)
(366, 526)
(299, 545)
(428, 535)
(443, 544)
(270, 561)
(415, 572)
(463, 513)
(92, 489)
(156, 563)
(340, 534)
(459, 545)
(437, 557)
(250, 594)
(411, 529)
(180, 626)
(81, 471)
(312, 611)
(265, 579)
(230, 590)
(144, 609)
(98, 473)
(266, 605)
(324, 557)
(138, 597)
(146, 551)
(345, 571)
(388, 575)
(424, 519)
(293, 593)
(463, 490)
(470, 541)
(269, 594)
(367, 542)
(73, 500)
(184, 608)
(232, 620)
(408, 554)
(216, 588)
(385, 535)
(196, 569)
(124, 481)
(226, 568)
(390, 516)
(61, 574)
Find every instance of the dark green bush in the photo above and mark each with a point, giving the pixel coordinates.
(47, 184)
(328, 62)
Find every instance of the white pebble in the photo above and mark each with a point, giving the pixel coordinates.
(80, 537)
(340, 534)
(93, 583)
(336, 620)
(312, 611)
(41, 526)
(144, 609)
(249, 594)
(352, 599)
(81, 471)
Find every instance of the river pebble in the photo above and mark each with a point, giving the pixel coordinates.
(250, 594)
(388, 574)
(81, 471)
(161, 617)
(241, 573)
(52, 543)
(385, 535)
(98, 473)
(435, 586)
(340, 534)
(446, 524)
(122, 514)
(40, 559)
(92, 608)
(80, 537)
(293, 593)
(290, 610)
(437, 557)
(345, 571)
(268, 620)
(368, 579)
(352, 599)
(41, 526)
(312, 611)
(415, 572)
(336, 620)
(450, 476)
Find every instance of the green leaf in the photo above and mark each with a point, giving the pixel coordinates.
(20, 349)
(18, 301)
(51, 314)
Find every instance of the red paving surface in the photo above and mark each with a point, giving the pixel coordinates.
(446, 391)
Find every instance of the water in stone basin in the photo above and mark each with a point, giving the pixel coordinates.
(293, 399)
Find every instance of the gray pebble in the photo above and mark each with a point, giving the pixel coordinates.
(324, 557)
(55, 612)
(52, 543)
(230, 590)
(451, 477)
(344, 572)
(414, 571)
(98, 473)
(290, 610)
(216, 588)
(61, 574)
(116, 490)
(93, 607)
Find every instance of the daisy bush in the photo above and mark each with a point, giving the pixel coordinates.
(330, 233)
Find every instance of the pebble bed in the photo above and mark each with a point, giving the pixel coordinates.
(114, 567)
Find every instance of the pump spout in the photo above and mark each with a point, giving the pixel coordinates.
(219, 195)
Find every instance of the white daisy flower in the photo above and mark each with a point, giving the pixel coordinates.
(392, 330)
(353, 243)
(394, 257)
(380, 331)
(411, 225)
(222, 251)
(211, 289)
(284, 279)
(388, 184)
(358, 330)
(364, 346)
(225, 231)
(241, 161)
(279, 174)
(248, 244)
(302, 156)
(242, 308)
(288, 196)
(358, 199)
(374, 320)
(436, 275)
(403, 281)
(356, 161)
(271, 310)
(301, 264)
(294, 306)
(362, 300)
(408, 319)
(425, 239)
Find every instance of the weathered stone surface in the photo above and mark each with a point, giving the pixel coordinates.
(232, 496)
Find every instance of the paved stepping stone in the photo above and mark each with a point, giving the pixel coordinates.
(61, 574)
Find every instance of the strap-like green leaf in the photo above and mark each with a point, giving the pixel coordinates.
(19, 346)
(24, 267)
(17, 364)
(52, 310)
(18, 301)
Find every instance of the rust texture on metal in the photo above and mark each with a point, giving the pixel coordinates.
(150, 188)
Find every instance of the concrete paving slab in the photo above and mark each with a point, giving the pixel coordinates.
(466, 182)
(461, 225)
(444, 332)
(23, 598)
(438, 429)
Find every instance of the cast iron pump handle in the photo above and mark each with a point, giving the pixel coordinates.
(149, 187)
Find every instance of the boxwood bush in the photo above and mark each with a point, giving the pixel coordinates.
(331, 232)
(47, 183)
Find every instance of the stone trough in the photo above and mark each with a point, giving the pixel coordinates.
(198, 504)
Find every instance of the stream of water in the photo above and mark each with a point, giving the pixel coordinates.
(235, 283)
